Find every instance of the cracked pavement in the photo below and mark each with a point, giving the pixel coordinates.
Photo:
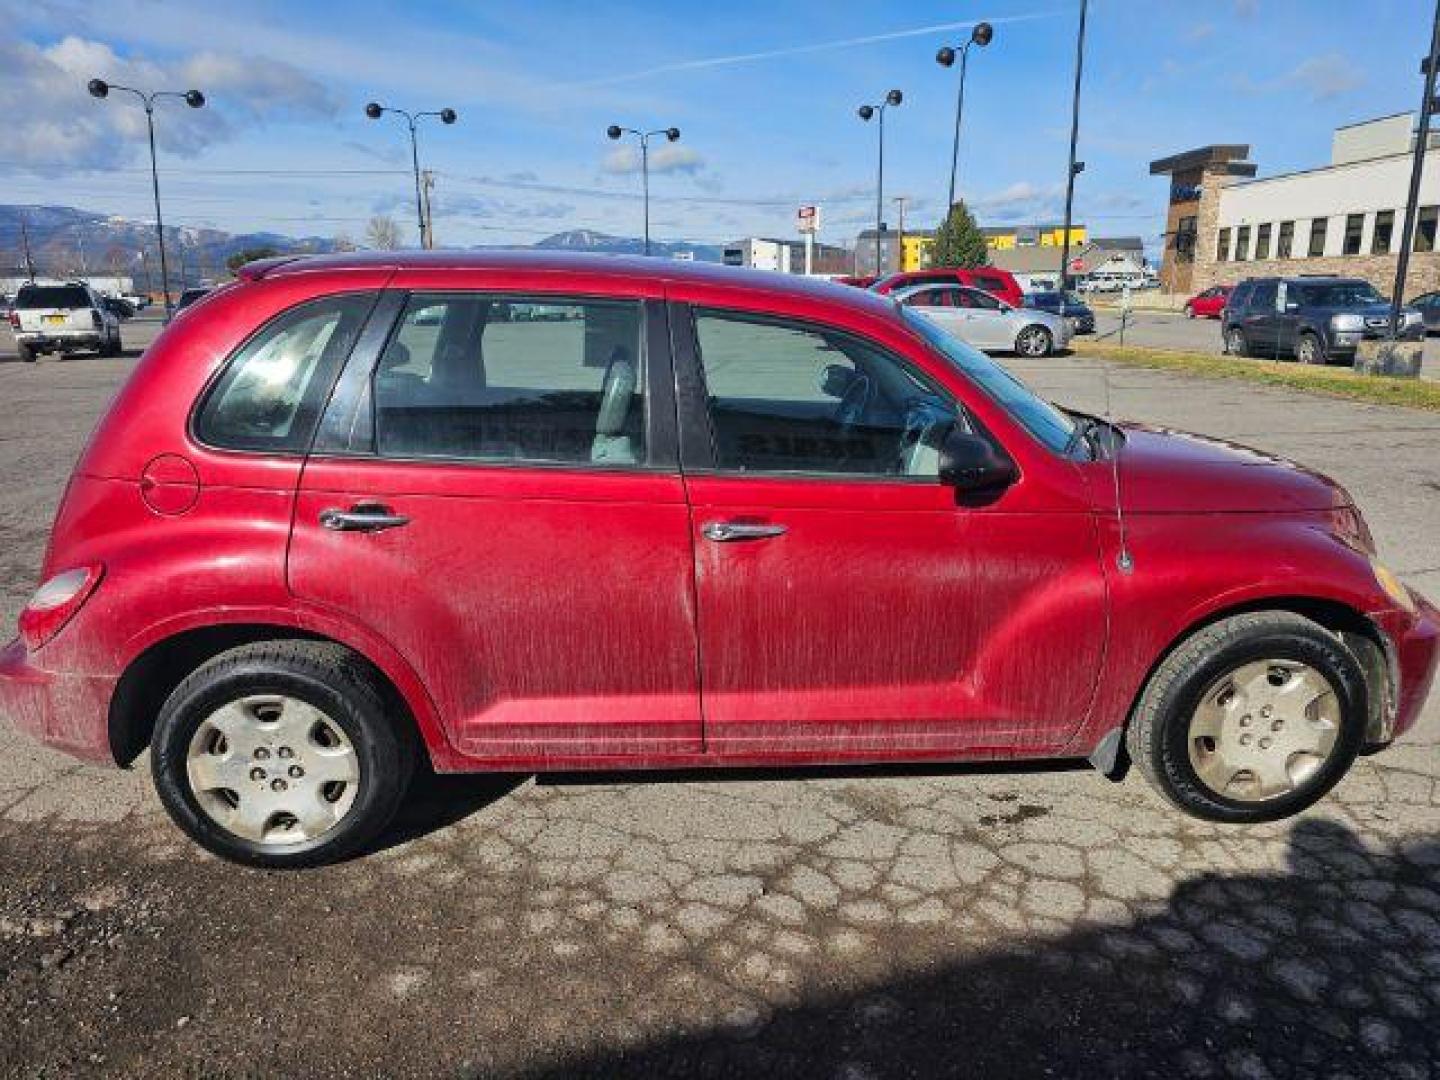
(987, 920)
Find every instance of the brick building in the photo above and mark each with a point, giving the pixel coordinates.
(1342, 218)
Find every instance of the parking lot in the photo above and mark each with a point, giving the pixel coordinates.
(984, 921)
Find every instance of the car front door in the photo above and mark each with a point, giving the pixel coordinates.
(498, 499)
(850, 603)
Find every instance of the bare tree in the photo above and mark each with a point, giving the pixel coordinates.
(382, 233)
(342, 242)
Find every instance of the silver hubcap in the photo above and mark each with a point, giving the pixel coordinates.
(1307, 350)
(1032, 342)
(1264, 730)
(273, 769)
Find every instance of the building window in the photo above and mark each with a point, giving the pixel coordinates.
(1284, 239)
(1425, 228)
(1242, 243)
(1185, 239)
(1317, 237)
(1222, 248)
(1354, 226)
(1384, 230)
(1262, 242)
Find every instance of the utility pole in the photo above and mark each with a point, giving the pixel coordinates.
(1417, 165)
(900, 201)
(427, 185)
(25, 242)
(1076, 167)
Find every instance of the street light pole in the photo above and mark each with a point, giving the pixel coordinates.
(866, 113)
(374, 110)
(1075, 167)
(981, 35)
(99, 88)
(615, 131)
(900, 201)
(1422, 144)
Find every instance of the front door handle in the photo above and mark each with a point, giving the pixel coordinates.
(725, 532)
(366, 517)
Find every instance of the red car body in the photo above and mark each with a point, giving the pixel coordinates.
(568, 617)
(1208, 304)
(990, 279)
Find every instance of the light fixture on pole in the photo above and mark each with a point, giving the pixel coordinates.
(99, 88)
(615, 131)
(867, 113)
(374, 111)
(981, 35)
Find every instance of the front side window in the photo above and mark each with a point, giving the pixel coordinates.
(1317, 237)
(1285, 239)
(1354, 226)
(273, 389)
(489, 378)
(1384, 231)
(785, 397)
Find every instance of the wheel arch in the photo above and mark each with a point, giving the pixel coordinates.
(153, 673)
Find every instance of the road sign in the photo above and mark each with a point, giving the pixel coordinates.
(807, 219)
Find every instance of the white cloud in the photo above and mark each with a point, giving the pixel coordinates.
(668, 158)
(1326, 77)
(53, 125)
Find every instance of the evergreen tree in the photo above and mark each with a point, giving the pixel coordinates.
(959, 241)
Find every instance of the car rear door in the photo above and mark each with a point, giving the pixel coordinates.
(850, 604)
(497, 496)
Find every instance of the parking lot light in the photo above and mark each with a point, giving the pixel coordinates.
(868, 113)
(981, 35)
(374, 110)
(100, 89)
(672, 134)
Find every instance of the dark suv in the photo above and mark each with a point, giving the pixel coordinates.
(1314, 319)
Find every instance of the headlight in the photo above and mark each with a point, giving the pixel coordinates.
(1346, 320)
(1393, 586)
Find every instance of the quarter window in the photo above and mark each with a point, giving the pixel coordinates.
(1354, 226)
(273, 389)
(1317, 237)
(488, 378)
(789, 398)
(1384, 232)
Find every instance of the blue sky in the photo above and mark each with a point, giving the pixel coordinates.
(764, 93)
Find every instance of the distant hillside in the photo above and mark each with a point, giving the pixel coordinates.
(66, 242)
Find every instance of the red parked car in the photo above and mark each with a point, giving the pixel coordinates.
(536, 511)
(1208, 304)
(989, 279)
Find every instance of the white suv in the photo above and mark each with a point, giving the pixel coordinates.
(62, 319)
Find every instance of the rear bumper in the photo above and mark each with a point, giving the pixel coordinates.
(68, 712)
(89, 339)
(1414, 647)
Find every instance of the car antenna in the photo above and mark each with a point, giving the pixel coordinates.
(1122, 559)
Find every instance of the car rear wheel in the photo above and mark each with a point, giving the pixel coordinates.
(26, 353)
(1235, 343)
(1189, 311)
(1034, 341)
(1251, 719)
(1308, 349)
(280, 754)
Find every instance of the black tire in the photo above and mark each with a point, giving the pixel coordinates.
(1235, 343)
(1309, 349)
(112, 347)
(327, 676)
(1189, 311)
(1158, 733)
(26, 353)
(1042, 341)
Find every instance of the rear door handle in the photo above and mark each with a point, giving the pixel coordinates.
(725, 532)
(367, 517)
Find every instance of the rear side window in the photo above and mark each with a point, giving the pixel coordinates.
(273, 389)
(52, 296)
(490, 378)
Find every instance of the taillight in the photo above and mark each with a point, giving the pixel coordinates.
(56, 602)
(14, 320)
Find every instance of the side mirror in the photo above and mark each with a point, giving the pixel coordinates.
(1292, 306)
(971, 463)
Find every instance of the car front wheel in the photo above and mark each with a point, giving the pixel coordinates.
(1251, 719)
(1189, 311)
(1034, 341)
(280, 754)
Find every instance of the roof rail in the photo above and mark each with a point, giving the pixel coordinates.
(258, 268)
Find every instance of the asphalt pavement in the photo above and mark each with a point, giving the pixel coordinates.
(986, 921)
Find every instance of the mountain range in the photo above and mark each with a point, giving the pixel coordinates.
(68, 242)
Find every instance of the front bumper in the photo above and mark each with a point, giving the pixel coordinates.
(68, 712)
(1414, 640)
(1345, 342)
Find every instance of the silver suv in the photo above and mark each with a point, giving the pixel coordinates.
(63, 319)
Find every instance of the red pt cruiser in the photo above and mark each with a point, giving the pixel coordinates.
(533, 512)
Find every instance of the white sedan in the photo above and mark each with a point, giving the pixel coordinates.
(986, 322)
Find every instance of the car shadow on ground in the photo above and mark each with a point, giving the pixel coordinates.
(1328, 966)
(437, 800)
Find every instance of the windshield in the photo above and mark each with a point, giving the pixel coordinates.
(1343, 294)
(52, 296)
(1043, 420)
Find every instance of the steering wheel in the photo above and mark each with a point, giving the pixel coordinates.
(855, 401)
